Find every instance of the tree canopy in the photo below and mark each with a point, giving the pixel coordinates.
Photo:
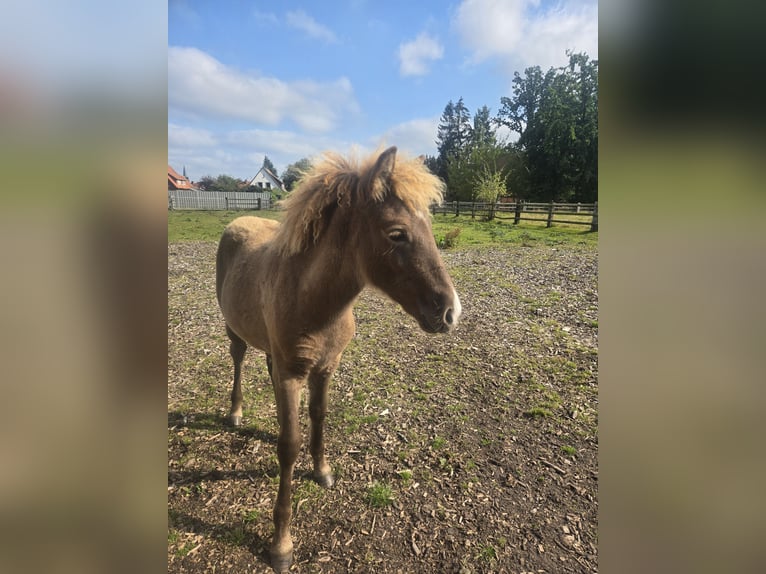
(556, 117)
(294, 172)
(222, 182)
(555, 157)
(268, 165)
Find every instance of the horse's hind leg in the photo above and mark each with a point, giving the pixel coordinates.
(237, 350)
(318, 383)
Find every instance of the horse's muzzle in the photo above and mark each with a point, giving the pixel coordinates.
(452, 313)
(444, 318)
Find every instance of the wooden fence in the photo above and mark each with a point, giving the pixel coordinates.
(550, 212)
(218, 200)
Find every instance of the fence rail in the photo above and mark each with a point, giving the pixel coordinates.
(218, 200)
(517, 210)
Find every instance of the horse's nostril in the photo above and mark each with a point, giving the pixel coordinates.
(448, 318)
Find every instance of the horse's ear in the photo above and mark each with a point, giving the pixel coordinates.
(384, 167)
(379, 182)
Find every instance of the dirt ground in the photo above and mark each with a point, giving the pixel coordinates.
(471, 452)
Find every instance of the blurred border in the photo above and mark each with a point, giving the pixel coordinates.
(83, 305)
(682, 278)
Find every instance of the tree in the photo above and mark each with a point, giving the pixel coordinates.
(268, 165)
(452, 137)
(221, 183)
(483, 133)
(294, 172)
(468, 149)
(432, 163)
(556, 116)
(207, 182)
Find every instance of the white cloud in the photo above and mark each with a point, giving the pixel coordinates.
(519, 33)
(414, 56)
(279, 143)
(301, 21)
(187, 137)
(266, 18)
(415, 137)
(199, 85)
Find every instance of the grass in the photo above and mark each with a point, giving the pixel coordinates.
(405, 475)
(206, 225)
(438, 443)
(379, 495)
(453, 232)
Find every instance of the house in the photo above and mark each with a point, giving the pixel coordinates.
(177, 181)
(267, 181)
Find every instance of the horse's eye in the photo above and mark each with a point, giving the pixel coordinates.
(397, 235)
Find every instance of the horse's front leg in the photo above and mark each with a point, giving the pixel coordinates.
(287, 394)
(318, 384)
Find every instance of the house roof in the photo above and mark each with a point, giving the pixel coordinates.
(267, 170)
(269, 173)
(177, 180)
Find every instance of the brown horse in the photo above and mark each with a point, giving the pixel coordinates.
(289, 290)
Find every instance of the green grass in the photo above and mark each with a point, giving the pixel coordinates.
(487, 553)
(252, 516)
(208, 225)
(438, 443)
(406, 476)
(475, 232)
(379, 495)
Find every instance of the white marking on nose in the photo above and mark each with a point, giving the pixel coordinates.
(457, 308)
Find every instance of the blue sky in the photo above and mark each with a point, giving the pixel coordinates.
(292, 79)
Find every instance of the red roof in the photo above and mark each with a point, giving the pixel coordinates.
(176, 180)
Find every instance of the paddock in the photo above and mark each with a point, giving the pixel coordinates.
(473, 452)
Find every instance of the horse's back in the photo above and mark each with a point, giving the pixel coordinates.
(242, 236)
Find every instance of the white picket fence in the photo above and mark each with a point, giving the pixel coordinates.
(218, 200)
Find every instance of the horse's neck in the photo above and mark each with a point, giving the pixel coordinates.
(327, 279)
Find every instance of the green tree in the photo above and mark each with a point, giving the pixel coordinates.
(294, 172)
(473, 154)
(226, 183)
(220, 183)
(483, 133)
(453, 135)
(206, 182)
(556, 116)
(268, 165)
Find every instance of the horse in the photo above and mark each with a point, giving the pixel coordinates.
(289, 289)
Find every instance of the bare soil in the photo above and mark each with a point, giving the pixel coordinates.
(486, 439)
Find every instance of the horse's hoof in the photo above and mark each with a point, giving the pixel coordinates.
(325, 480)
(235, 420)
(282, 563)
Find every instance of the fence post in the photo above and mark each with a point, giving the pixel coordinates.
(457, 208)
(226, 202)
(550, 215)
(594, 221)
(258, 203)
(517, 212)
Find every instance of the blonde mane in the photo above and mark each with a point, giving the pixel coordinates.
(346, 182)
